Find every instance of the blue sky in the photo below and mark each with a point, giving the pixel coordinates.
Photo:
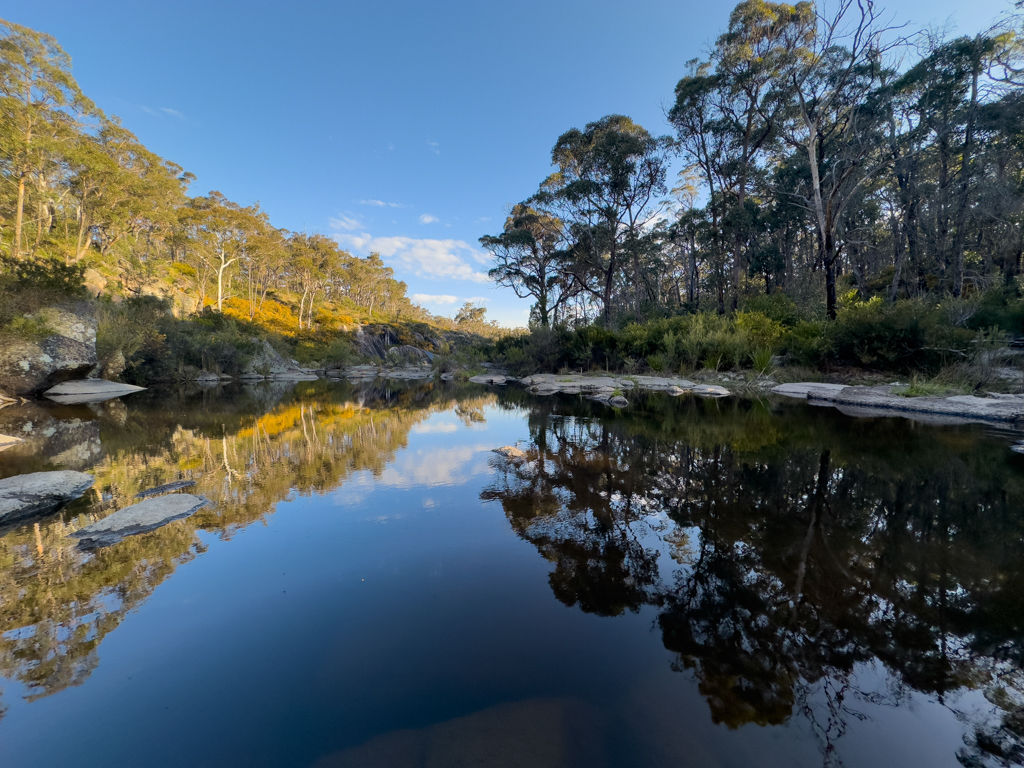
(407, 128)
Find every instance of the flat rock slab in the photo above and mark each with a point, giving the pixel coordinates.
(601, 387)
(961, 407)
(710, 390)
(145, 516)
(804, 389)
(177, 485)
(26, 496)
(89, 391)
(488, 378)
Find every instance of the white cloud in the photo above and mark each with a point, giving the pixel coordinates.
(426, 218)
(380, 203)
(422, 257)
(430, 298)
(149, 110)
(434, 146)
(172, 112)
(477, 299)
(346, 223)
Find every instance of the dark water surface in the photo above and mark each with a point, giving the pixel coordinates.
(681, 583)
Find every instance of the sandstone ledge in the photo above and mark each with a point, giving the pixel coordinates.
(882, 401)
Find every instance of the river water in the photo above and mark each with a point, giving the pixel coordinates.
(684, 582)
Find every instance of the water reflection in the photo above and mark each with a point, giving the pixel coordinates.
(801, 567)
(793, 556)
(247, 449)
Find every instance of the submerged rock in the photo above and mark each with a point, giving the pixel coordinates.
(618, 401)
(89, 391)
(511, 453)
(145, 516)
(177, 485)
(39, 493)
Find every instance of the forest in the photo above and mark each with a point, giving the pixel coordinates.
(852, 191)
(86, 209)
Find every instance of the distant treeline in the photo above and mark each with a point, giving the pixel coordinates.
(79, 189)
(825, 150)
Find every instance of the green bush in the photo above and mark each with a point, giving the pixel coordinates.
(905, 336)
(809, 342)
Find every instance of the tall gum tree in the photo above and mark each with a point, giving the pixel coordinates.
(40, 104)
(528, 259)
(606, 188)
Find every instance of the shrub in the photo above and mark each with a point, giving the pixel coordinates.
(809, 342)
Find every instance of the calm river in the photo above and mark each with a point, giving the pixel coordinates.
(684, 582)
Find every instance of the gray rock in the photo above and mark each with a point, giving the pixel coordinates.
(962, 407)
(29, 366)
(177, 485)
(488, 378)
(804, 389)
(145, 516)
(26, 496)
(89, 391)
(618, 401)
(711, 390)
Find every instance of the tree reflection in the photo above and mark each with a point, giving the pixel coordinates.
(246, 450)
(796, 548)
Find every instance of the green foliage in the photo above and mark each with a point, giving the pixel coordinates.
(778, 307)
(809, 342)
(905, 336)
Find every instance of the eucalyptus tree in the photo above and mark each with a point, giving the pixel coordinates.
(529, 259)
(606, 188)
(831, 70)
(728, 109)
(41, 107)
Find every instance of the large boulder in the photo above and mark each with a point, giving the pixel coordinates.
(26, 496)
(145, 516)
(267, 363)
(67, 351)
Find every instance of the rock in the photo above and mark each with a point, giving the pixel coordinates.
(411, 353)
(447, 377)
(511, 453)
(488, 378)
(877, 400)
(26, 496)
(89, 391)
(618, 401)
(30, 366)
(675, 391)
(177, 485)
(1018, 447)
(145, 516)
(114, 365)
(409, 372)
(804, 389)
(6, 441)
(266, 362)
(711, 390)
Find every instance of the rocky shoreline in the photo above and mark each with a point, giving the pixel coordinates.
(886, 400)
